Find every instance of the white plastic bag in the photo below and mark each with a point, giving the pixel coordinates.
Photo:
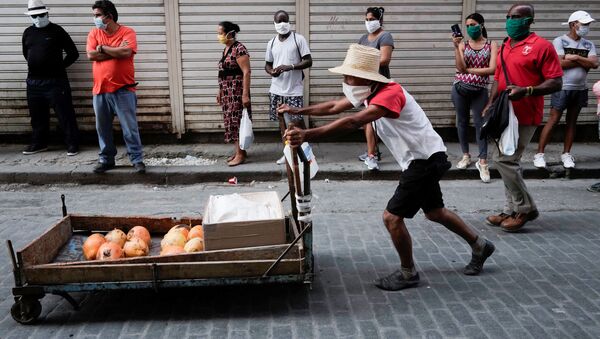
(510, 137)
(246, 133)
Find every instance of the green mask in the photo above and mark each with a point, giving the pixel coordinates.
(518, 28)
(474, 31)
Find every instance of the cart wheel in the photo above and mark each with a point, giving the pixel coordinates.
(26, 311)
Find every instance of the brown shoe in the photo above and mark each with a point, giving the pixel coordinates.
(496, 220)
(516, 222)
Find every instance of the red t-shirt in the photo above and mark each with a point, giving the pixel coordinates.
(529, 63)
(111, 75)
(390, 96)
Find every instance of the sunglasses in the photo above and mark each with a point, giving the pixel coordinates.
(39, 15)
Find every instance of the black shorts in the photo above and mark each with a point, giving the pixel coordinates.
(562, 99)
(419, 187)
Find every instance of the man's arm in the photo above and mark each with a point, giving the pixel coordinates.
(587, 63)
(121, 52)
(270, 70)
(321, 109)
(306, 62)
(70, 49)
(97, 56)
(547, 87)
(296, 136)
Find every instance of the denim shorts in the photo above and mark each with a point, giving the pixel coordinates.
(562, 99)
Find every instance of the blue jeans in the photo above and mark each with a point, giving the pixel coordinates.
(121, 103)
(466, 101)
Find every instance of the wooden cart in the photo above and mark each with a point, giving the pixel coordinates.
(53, 263)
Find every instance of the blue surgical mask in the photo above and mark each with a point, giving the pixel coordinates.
(583, 30)
(41, 21)
(100, 24)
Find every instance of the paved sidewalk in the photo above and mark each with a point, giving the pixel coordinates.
(337, 161)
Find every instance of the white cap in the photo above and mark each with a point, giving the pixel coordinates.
(580, 16)
(36, 7)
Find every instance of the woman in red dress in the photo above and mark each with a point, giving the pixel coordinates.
(234, 86)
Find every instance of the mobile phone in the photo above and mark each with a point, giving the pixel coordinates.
(456, 30)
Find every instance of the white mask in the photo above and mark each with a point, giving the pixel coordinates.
(582, 31)
(372, 26)
(356, 94)
(282, 27)
(41, 22)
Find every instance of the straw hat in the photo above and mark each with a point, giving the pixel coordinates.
(36, 7)
(361, 62)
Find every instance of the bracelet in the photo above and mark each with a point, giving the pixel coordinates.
(293, 66)
(529, 90)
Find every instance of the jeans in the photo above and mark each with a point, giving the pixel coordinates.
(518, 198)
(465, 102)
(55, 93)
(122, 103)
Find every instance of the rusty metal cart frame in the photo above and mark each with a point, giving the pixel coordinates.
(36, 274)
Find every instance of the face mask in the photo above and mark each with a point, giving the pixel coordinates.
(223, 38)
(582, 31)
(100, 24)
(372, 26)
(518, 28)
(282, 27)
(474, 31)
(41, 22)
(356, 94)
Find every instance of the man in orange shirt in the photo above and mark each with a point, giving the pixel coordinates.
(111, 47)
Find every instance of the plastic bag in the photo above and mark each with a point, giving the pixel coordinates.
(246, 132)
(510, 137)
(310, 156)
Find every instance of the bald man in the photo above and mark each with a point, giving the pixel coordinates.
(534, 70)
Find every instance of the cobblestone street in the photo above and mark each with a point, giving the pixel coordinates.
(543, 282)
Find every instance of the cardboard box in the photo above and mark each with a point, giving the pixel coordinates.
(243, 232)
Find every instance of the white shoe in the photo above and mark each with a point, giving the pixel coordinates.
(539, 161)
(484, 171)
(371, 162)
(464, 162)
(567, 160)
(281, 161)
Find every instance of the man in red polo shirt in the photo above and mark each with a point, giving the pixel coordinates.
(534, 70)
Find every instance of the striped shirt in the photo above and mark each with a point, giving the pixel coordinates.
(475, 58)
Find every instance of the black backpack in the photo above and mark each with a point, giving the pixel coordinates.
(496, 117)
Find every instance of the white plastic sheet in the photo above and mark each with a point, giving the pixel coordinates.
(244, 207)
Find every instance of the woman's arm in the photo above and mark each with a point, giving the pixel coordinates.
(244, 63)
(386, 55)
(459, 58)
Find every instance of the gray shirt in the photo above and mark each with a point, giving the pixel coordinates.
(574, 78)
(383, 39)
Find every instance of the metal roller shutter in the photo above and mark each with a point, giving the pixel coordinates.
(201, 53)
(422, 61)
(548, 18)
(146, 17)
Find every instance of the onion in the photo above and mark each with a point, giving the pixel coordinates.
(140, 232)
(109, 251)
(117, 236)
(136, 247)
(91, 245)
(169, 250)
(184, 229)
(173, 239)
(194, 245)
(196, 232)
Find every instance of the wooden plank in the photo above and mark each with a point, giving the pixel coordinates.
(99, 223)
(165, 271)
(43, 249)
(238, 254)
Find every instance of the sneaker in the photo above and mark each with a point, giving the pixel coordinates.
(72, 150)
(464, 162)
(33, 149)
(102, 167)
(476, 265)
(567, 160)
(539, 161)
(281, 161)
(396, 281)
(365, 155)
(484, 171)
(594, 188)
(140, 168)
(371, 163)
